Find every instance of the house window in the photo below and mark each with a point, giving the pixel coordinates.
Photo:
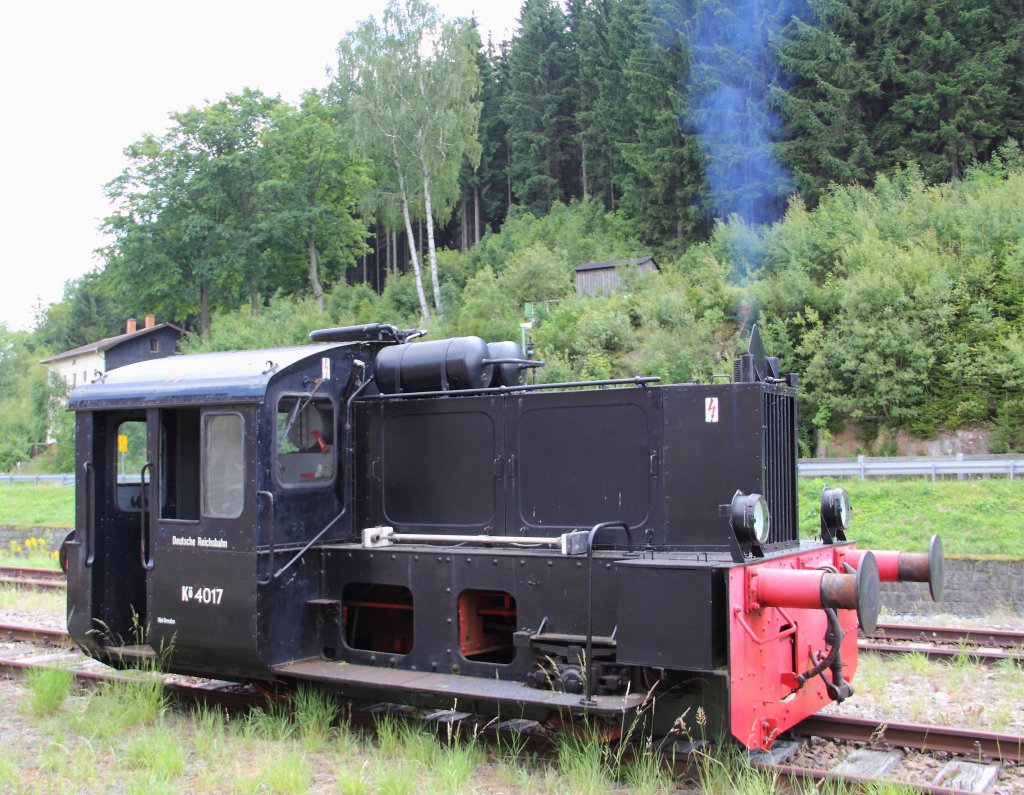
(154, 345)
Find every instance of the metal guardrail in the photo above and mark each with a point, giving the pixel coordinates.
(60, 480)
(959, 466)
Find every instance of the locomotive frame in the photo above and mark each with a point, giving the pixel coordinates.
(413, 522)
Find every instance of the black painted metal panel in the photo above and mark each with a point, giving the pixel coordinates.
(549, 591)
(582, 458)
(671, 616)
(440, 467)
(724, 438)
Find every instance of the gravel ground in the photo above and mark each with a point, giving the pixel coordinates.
(1001, 619)
(988, 697)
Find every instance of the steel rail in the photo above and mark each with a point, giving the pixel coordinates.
(33, 572)
(9, 632)
(996, 638)
(25, 582)
(814, 776)
(940, 653)
(212, 693)
(963, 741)
(29, 577)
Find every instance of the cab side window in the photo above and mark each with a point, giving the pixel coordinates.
(305, 440)
(223, 466)
(131, 457)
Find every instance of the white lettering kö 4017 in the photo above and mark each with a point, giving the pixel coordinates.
(205, 596)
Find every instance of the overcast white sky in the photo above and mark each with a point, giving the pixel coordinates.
(79, 81)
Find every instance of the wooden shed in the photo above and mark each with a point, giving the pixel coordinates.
(601, 278)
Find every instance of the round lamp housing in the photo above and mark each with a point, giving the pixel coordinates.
(835, 509)
(750, 518)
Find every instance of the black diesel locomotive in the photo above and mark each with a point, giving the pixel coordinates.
(411, 521)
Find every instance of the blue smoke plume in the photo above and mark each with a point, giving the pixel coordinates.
(733, 69)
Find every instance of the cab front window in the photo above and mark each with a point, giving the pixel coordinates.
(305, 440)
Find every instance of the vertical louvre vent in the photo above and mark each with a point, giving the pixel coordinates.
(780, 462)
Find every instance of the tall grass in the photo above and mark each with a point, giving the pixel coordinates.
(48, 688)
(157, 751)
(315, 712)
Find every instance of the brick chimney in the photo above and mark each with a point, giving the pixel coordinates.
(130, 326)
(150, 321)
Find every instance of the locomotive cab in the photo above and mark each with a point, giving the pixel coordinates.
(191, 470)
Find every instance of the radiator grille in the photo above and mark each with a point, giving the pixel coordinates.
(780, 462)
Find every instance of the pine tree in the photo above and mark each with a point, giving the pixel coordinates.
(491, 184)
(662, 180)
(824, 100)
(540, 109)
(606, 34)
(950, 72)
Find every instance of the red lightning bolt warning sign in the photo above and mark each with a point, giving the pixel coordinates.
(711, 409)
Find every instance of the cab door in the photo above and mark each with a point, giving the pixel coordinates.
(106, 580)
(199, 551)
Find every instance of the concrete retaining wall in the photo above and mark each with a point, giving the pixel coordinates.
(973, 588)
(53, 536)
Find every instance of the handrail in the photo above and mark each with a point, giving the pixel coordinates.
(859, 467)
(90, 520)
(588, 688)
(270, 535)
(501, 390)
(934, 467)
(145, 523)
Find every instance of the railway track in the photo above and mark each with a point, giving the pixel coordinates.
(28, 577)
(51, 648)
(945, 643)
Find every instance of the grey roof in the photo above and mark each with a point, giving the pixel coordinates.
(233, 376)
(108, 343)
(616, 263)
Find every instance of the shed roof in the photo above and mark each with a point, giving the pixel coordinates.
(106, 344)
(616, 263)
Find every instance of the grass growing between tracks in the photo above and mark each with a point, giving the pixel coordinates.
(123, 737)
(27, 600)
(957, 692)
(974, 517)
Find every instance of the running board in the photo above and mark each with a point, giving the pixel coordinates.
(130, 652)
(453, 686)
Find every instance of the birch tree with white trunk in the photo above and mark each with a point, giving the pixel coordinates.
(413, 82)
